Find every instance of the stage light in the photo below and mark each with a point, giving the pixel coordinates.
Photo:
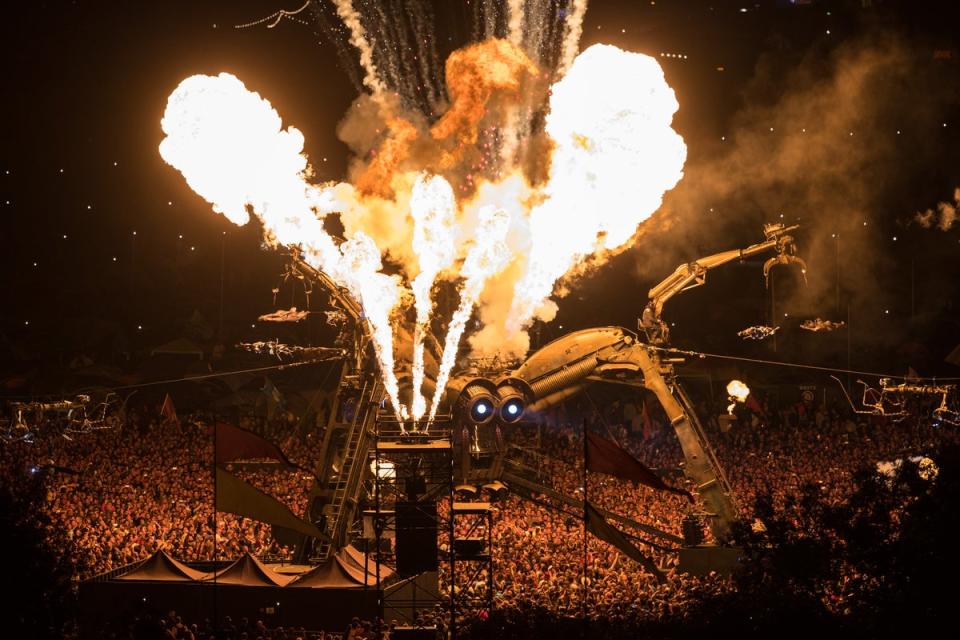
(513, 395)
(512, 410)
(481, 410)
(478, 401)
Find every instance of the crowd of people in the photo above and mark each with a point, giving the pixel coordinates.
(118, 495)
(771, 450)
(172, 626)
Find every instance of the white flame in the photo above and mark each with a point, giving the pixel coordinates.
(487, 257)
(229, 144)
(738, 390)
(615, 157)
(434, 233)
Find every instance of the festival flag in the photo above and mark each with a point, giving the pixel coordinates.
(233, 443)
(647, 422)
(240, 498)
(168, 412)
(274, 397)
(606, 456)
(754, 406)
(600, 528)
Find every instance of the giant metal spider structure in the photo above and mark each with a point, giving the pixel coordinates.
(484, 396)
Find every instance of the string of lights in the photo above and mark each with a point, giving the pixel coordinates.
(276, 17)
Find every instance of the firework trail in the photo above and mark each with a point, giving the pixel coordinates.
(573, 29)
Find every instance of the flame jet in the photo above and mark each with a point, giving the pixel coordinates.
(616, 155)
(487, 257)
(229, 144)
(432, 207)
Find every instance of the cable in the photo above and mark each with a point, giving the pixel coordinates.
(204, 376)
(701, 354)
(218, 375)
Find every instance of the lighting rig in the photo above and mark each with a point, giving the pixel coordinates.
(77, 415)
(890, 400)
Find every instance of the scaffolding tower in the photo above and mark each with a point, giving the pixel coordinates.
(412, 470)
(470, 556)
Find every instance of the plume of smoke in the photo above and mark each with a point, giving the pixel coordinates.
(358, 38)
(483, 80)
(943, 216)
(573, 29)
(815, 143)
(487, 257)
(515, 22)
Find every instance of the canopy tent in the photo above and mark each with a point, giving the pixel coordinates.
(356, 558)
(250, 572)
(162, 568)
(344, 570)
(336, 573)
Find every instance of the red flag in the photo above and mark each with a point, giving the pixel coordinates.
(233, 443)
(168, 412)
(598, 526)
(606, 456)
(647, 423)
(233, 495)
(754, 406)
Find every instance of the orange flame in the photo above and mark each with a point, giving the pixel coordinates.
(474, 75)
(608, 143)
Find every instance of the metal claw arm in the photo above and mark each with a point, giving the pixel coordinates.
(785, 258)
(694, 274)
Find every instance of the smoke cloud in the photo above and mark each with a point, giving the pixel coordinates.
(943, 216)
(816, 143)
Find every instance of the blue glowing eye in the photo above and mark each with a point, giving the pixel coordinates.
(481, 408)
(512, 409)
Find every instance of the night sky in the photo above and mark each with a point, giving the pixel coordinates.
(108, 252)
